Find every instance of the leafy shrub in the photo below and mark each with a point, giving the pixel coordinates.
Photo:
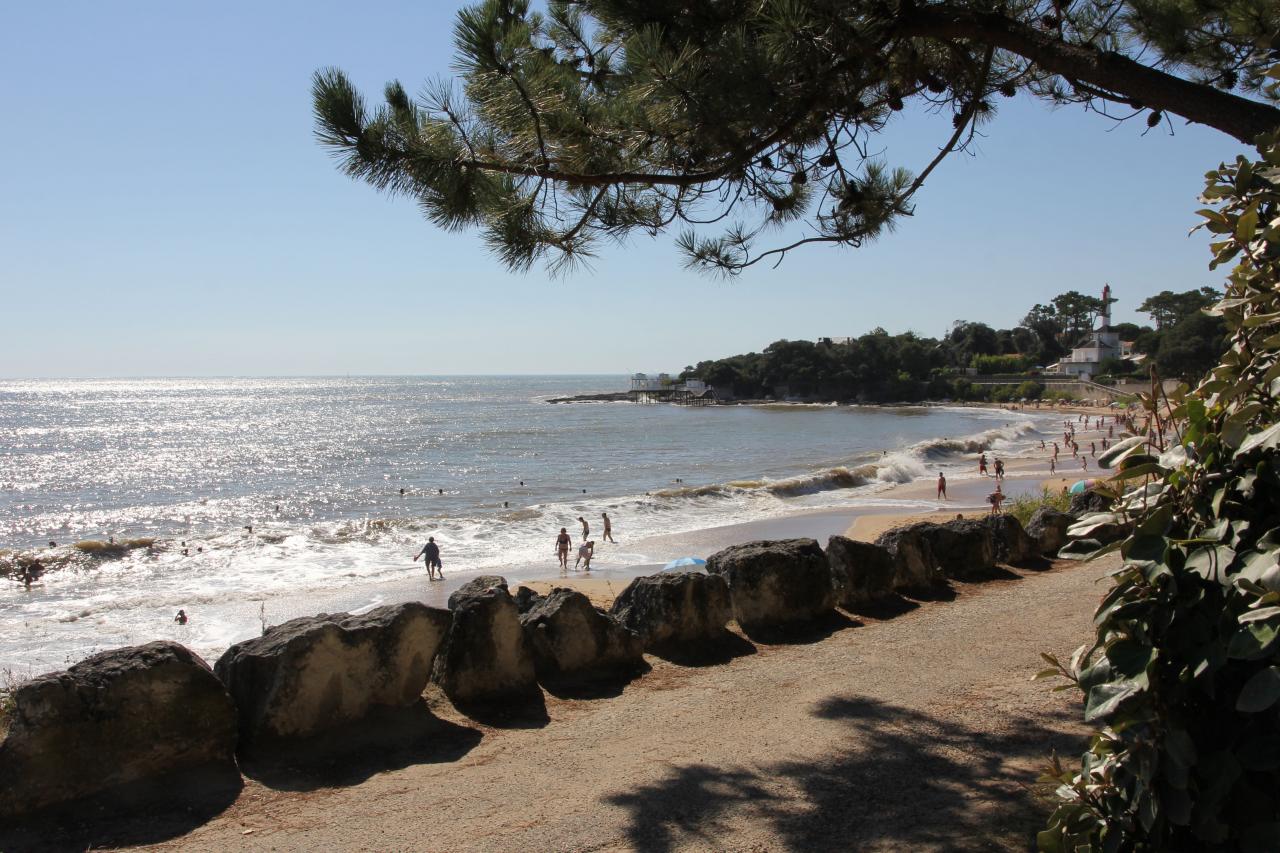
(1183, 677)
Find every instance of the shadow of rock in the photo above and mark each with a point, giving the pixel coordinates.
(604, 687)
(722, 651)
(1035, 564)
(521, 712)
(935, 592)
(136, 814)
(993, 573)
(350, 754)
(902, 779)
(885, 608)
(799, 634)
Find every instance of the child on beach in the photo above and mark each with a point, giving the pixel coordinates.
(942, 486)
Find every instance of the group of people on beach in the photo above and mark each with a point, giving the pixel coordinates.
(587, 549)
(430, 552)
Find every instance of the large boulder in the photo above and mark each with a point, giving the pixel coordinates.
(1012, 543)
(477, 586)
(526, 599)
(311, 674)
(677, 611)
(963, 547)
(861, 573)
(914, 564)
(1087, 502)
(125, 716)
(1048, 527)
(572, 641)
(485, 657)
(774, 584)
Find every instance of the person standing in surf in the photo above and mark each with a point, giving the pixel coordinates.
(608, 528)
(562, 547)
(982, 464)
(430, 554)
(586, 528)
(942, 486)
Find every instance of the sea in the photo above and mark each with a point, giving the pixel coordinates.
(241, 499)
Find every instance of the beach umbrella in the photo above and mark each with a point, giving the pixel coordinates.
(1080, 486)
(684, 562)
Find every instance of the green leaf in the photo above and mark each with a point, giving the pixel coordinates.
(1105, 699)
(1260, 692)
(1253, 641)
(1266, 439)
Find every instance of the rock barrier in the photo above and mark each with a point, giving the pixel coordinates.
(775, 584)
(676, 611)
(124, 716)
(485, 657)
(315, 673)
(572, 641)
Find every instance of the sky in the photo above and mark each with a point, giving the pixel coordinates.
(166, 211)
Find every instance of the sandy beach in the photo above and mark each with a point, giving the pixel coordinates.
(923, 732)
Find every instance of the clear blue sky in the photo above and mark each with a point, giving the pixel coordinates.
(164, 210)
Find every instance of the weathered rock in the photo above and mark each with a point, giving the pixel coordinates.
(861, 573)
(1013, 544)
(572, 641)
(311, 674)
(124, 716)
(962, 547)
(914, 564)
(684, 611)
(775, 583)
(485, 657)
(1048, 527)
(526, 599)
(1088, 501)
(476, 586)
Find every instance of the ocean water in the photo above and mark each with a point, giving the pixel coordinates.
(315, 466)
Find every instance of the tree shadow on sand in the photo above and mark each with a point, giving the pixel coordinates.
(902, 780)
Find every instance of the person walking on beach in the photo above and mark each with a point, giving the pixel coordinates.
(562, 547)
(585, 551)
(586, 528)
(995, 499)
(1053, 465)
(982, 464)
(430, 555)
(999, 469)
(608, 528)
(942, 486)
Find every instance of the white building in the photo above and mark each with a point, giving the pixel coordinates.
(1103, 343)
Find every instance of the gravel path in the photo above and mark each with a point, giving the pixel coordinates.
(919, 732)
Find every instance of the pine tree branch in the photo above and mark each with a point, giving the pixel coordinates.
(1239, 117)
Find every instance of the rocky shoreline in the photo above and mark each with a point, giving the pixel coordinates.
(490, 652)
